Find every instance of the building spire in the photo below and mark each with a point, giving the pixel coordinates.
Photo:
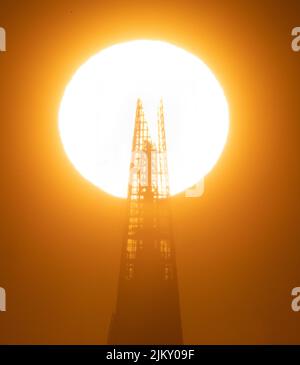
(147, 309)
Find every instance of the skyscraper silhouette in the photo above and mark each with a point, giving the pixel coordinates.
(147, 308)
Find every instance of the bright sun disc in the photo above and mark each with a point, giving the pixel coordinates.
(97, 113)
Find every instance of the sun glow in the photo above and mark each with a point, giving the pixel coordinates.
(97, 113)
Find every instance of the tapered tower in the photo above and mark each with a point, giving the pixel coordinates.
(147, 308)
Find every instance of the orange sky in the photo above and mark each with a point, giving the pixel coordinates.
(237, 246)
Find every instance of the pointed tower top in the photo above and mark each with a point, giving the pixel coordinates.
(160, 110)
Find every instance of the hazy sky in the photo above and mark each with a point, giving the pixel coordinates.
(237, 246)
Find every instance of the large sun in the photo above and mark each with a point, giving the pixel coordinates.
(97, 113)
